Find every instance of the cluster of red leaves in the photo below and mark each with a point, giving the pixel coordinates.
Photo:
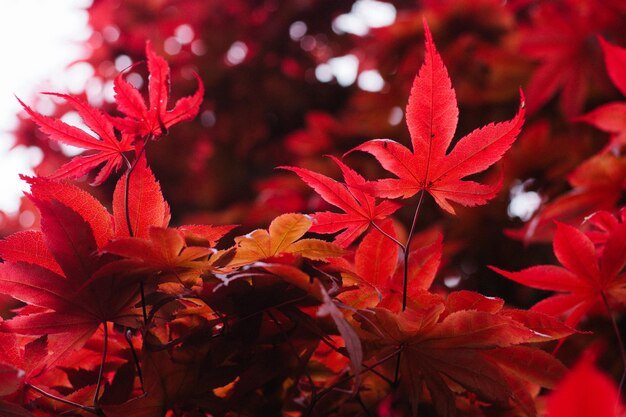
(124, 315)
(186, 308)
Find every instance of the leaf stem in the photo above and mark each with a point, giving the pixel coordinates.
(143, 303)
(366, 410)
(396, 373)
(620, 341)
(129, 171)
(128, 337)
(405, 282)
(129, 168)
(62, 400)
(405, 274)
(101, 371)
(388, 236)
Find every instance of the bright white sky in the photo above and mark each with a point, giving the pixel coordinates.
(38, 39)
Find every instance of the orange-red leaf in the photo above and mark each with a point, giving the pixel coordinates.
(283, 236)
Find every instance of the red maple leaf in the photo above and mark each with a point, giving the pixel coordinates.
(589, 279)
(585, 391)
(61, 270)
(153, 119)
(58, 269)
(361, 209)
(108, 149)
(611, 117)
(432, 116)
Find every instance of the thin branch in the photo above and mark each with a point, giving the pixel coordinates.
(396, 373)
(407, 250)
(388, 236)
(128, 336)
(129, 171)
(101, 371)
(143, 304)
(368, 413)
(158, 305)
(62, 400)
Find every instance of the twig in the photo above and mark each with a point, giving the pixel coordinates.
(62, 400)
(129, 171)
(407, 249)
(128, 336)
(101, 371)
(388, 236)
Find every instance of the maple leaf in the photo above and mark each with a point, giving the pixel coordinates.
(585, 391)
(360, 208)
(108, 149)
(56, 270)
(153, 119)
(586, 279)
(432, 116)
(376, 258)
(611, 117)
(477, 347)
(283, 237)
